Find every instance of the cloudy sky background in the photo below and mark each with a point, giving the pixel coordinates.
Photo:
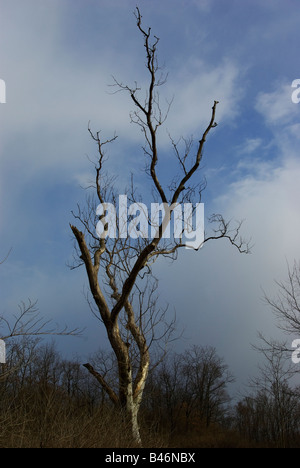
(57, 58)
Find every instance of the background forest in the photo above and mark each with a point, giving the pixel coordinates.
(47, 401)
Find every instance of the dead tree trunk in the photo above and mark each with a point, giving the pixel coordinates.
(121, 264)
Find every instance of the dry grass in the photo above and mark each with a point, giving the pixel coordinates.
(25, 427)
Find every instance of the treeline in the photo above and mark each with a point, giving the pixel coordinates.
(48, 401)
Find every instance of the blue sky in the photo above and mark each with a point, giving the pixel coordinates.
(57, 59)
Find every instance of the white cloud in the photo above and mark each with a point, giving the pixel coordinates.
(202, 5)
(276, 106)
(250, 145)
(52, 95)
(268, 200)
(218, 292)
(195, 89)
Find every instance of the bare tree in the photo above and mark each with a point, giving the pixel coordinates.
(27, 322)
(286, 309)
(191, 386)
(117, 268)
(207, 378)
(271, 412)
(286, 306)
